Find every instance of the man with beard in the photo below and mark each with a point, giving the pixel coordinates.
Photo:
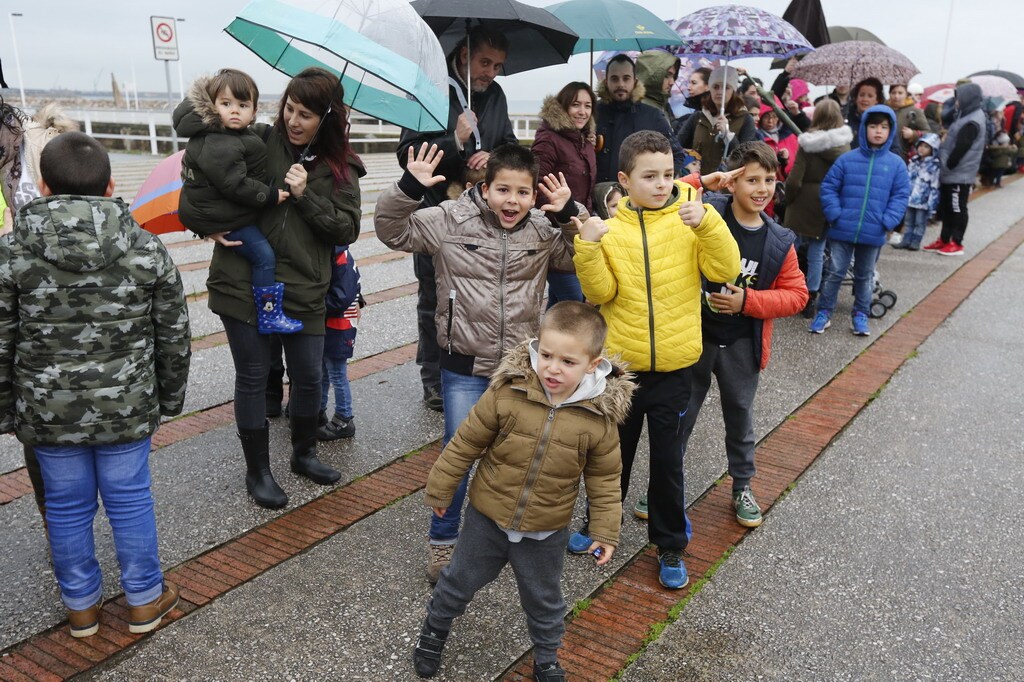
(466, 143)
(621, 112)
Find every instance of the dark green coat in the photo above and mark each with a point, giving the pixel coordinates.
(224, 172)
(94, 334)
(303, 233)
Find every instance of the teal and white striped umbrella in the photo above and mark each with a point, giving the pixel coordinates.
(390, 63)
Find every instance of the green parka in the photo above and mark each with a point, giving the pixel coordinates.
(303, 232)
(651, 68)
(224, 172)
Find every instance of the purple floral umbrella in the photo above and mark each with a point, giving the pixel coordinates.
(737, 32)
(852, 61)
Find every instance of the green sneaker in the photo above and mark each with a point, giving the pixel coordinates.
(640, 508)
(747, 512)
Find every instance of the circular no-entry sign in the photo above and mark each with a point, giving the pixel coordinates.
(164, 32)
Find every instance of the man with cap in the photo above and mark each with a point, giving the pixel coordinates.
(621, 112)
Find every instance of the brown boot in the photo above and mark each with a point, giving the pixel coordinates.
(87, 622)
(147, 617)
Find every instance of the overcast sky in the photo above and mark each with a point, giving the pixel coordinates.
(76, 44)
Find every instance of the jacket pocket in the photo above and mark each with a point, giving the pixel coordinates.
(505, 430)
(452, 294)
(582, 449)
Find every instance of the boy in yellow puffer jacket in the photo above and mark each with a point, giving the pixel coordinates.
(644, 269)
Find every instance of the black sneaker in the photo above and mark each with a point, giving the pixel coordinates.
(548, 672)
(426, 657)
(338, 427)
(433, 400)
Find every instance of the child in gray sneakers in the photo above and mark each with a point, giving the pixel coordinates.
(549, 414)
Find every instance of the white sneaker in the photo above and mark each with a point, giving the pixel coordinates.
(895, 238)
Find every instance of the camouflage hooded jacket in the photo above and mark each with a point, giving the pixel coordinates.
(94, 333)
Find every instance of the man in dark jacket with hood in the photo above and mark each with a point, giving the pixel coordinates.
(960, 156)
(621, 112)
(466, 142)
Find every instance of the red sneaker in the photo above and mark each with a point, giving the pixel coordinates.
(935, 245)
(951, 249)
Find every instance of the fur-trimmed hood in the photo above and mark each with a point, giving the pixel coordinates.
(604, 96)
(557, 118)
(816, 141)
(203, 116)
(614, 402)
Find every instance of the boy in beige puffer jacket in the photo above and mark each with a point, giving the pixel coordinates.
(550, 414)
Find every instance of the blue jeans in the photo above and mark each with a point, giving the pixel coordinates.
(336, 375)
(914, 226)
(460, 393)
(864, 258)
(73, 475)
(815, 262)
(256, 249)
(563, 286)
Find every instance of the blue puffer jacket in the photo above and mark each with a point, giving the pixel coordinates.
(865, 193)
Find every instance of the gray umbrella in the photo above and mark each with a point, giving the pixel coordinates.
(1016, 79)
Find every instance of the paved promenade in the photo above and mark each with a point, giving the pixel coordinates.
(891, 466)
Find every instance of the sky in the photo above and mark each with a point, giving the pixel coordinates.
(76, 45)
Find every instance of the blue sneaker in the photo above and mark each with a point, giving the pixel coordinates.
(860, 325)
(579, 542)
(673, 571)
(821, 322)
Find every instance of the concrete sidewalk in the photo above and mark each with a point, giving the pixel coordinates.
(898, 556)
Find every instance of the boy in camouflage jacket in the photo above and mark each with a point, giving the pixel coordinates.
(94, 350)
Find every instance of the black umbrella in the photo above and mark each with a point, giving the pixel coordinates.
(807, 17)
(536, 37)
(1016, 79)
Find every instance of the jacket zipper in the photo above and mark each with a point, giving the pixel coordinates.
(451, 317)
(531, 475)
(867, 191)
(501, 292)
(647, 276)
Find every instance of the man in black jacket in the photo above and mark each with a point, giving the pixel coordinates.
(620, 113)
(466, 142)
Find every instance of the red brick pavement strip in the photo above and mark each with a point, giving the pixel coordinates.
(625, 608)
(15, 484)
(54, 655)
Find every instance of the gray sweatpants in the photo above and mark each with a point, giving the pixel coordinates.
(482, 551)
(737, 376)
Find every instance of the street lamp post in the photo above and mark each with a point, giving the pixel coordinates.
(17, 59)
(181, 80)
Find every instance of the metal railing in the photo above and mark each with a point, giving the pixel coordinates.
(158, 125)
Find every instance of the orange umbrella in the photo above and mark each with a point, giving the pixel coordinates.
(156, 205)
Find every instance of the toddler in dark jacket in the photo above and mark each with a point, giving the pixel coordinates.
(224, 183)
(344, 302)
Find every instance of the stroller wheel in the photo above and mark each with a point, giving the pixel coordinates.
(887, 298)
(877, 309)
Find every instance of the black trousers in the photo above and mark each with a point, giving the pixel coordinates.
(662, 397)
(250, 352)
(428, 353)
(953, 206)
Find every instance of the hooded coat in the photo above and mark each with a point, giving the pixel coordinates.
(560, 147)
(817, 151)
(865, 193)
(924, 176)
(224, 172)
(94, 332)
(490, 280)
(699, 134)
(651, 68)
(909, 116)
(964, 144)
(645, 274)
(618, 120)
(532, 453)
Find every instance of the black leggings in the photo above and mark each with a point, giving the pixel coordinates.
(250, 352)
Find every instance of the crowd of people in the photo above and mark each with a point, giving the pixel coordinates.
(666, 247)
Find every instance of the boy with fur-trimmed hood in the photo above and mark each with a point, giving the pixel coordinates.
(224, 176)
(550, 414)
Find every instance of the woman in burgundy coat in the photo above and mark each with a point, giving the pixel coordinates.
(564, 143)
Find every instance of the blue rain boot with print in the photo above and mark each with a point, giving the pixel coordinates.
(270, 317)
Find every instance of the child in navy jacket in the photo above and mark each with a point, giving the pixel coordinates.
(864, 197)
(344, 301)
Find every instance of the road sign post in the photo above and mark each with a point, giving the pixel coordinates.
(165, 47)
